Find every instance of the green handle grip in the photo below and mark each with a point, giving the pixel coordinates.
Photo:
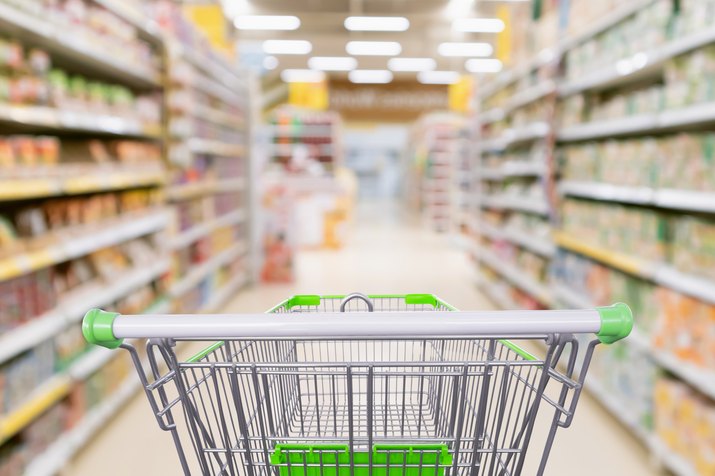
(97, 328)
(616, 322)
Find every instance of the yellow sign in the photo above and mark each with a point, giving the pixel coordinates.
(212, 22)
(503, 49)
(308, 95)
(460, 94)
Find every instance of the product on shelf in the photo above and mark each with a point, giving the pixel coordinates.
(631, 230)
(685, 422)
(681, 161)
(644, 31)
(93, 26)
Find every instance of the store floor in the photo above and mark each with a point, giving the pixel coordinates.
(384, 255)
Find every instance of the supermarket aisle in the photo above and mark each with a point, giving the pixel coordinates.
(384, 255)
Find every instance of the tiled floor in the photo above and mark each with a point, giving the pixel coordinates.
(383, 256)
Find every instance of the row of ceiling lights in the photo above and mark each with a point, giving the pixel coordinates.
(425, 67)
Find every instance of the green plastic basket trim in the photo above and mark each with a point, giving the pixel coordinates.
(524, 354)
(303, 300)
(421, 299)
(335, 460)
(200, 355)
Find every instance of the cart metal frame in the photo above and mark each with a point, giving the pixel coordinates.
(356, 385)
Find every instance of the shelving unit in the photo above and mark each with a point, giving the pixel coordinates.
(299, 138)
(439, 161)
(209, 152)
(108, 187)
(512, 184)
(593, 114)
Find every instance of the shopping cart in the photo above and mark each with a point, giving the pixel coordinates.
(362, 386)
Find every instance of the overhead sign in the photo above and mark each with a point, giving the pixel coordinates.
(461, 94)
(308, 95)
(399, 101)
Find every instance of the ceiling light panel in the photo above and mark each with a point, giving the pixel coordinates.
(302, 76)
(374, 76)
(332, 63)
(438, 77)
(377, 23)
(481, 65)
(267, 22)
(465, 49)
(411, 64)
(287, 47)
(478, 25)
(373, 48)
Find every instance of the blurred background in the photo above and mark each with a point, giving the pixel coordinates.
(199, 156)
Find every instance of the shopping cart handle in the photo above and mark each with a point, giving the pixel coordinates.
(610, 324)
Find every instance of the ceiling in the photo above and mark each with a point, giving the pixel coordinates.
(322, 24)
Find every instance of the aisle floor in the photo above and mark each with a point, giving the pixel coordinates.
(384, 255)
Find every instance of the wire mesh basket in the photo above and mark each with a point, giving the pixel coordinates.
(356, 385)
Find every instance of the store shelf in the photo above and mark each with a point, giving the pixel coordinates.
(622, 126)
(693, 116)
(59, 120)
(284, 150)
(73, 307)
(616, 16)
(522, 135)
(495, 294)
(148, 29)
(505, 78)
(200, 272)
(24, 188)
(536, 206)
(83, 242)
(217, 90)
(659, 273)
(637, 66)
(671, 460)
(662, 198)
(302, 130)
(199, 231)
(207, 187)
(226, 292)
(523, 239)
(530, 95)
(517, 277)
(52, 460)
(492, 115)
(58, 387)
(215, 147)
(37, 31)
(513, 169)
(218, 117)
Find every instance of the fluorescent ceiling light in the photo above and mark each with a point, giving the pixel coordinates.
(379, 76)
(438, 77)
(411, 64)
(377, 23)
(287, 47)
(465, 49)
(373, 48)
(270, 62)
(332, 63)
(478, 25)
(267, 22)
(302, 76)
(483, 65)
